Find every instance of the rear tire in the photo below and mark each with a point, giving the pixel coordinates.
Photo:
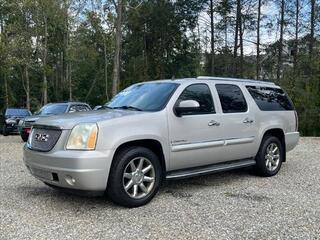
(270, 156)
(135, 177)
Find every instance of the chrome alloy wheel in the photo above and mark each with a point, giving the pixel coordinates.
(138, 178)
(272, 157)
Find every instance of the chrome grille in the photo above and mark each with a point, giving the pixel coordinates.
(44, 140)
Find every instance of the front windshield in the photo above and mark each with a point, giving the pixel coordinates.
(17, 112)
(144, 96)
(53, 109)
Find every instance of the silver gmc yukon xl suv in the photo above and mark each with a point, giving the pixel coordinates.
(166, 129)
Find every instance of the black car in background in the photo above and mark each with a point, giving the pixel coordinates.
(10, 118)
(49, 110)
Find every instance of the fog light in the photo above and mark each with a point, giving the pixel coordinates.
(70, 180)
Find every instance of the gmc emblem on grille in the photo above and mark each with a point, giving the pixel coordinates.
(41, 137)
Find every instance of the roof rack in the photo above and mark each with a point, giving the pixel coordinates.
(235, 80)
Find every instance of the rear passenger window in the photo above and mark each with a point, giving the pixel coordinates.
(200, 93)
(270, 99)
(231, 98)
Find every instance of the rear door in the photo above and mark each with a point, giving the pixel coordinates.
(237, 121)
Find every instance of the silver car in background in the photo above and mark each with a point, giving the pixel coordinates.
(167, 129)
(48, 110)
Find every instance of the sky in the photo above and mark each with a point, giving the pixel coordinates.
(267, 35)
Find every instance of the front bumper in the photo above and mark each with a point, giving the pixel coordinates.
(78, 170)
(11, 128)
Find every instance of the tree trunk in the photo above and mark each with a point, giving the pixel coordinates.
(27, 86)
(61, 74)
(56, 77)
(65, 63)
(70, 81)
(236, 34)
(118, 40)
(241, 46)
(296, 39)
(6, 90)
(258, 41)
(280, 44)
(2, 66)
(105, 67)
(312, 26)
(212, 38)
(226, 33)
(45, 53)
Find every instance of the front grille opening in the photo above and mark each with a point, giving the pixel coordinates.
(55, 177)
(44, 140)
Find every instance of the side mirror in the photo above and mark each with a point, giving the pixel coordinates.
(186, 107)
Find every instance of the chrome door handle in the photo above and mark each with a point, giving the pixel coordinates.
(247, 120)
(213, 123)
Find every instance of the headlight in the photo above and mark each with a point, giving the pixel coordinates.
(83, 137)
(10, 121)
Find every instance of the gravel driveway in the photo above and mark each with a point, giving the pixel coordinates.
(232, 205)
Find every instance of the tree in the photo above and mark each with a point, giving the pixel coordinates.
(236, 35)
(258, 66)
(312, 26)
(118, 45)
(296, 39)
(280, 42)
(212, 37)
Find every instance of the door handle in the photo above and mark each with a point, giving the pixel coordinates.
(247, 120)
(213, 123)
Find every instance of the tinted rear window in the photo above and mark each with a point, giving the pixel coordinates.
(231, 98)
(270, 99)
(17, 112)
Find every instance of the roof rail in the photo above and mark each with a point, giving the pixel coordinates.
(235, 80)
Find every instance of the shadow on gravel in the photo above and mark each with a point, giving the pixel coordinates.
(181, 189)
(185, 188)
(64, 200)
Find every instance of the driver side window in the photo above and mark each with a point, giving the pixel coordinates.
(200, 93)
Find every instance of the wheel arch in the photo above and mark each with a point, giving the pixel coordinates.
(278, 133)
(152, 144)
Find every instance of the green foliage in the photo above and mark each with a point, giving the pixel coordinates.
(161, 39)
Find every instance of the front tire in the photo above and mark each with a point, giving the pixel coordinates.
(135, 177)
(4, 131)
(270, 156)
(24, 136)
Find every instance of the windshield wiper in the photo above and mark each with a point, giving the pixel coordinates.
(105, 106)
(129, 108)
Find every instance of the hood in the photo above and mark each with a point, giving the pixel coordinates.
(69, 120)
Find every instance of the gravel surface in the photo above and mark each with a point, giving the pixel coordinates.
(232, 205)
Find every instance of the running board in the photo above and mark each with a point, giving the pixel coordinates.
(219, 167)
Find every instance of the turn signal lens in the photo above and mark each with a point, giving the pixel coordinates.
(91, 144)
